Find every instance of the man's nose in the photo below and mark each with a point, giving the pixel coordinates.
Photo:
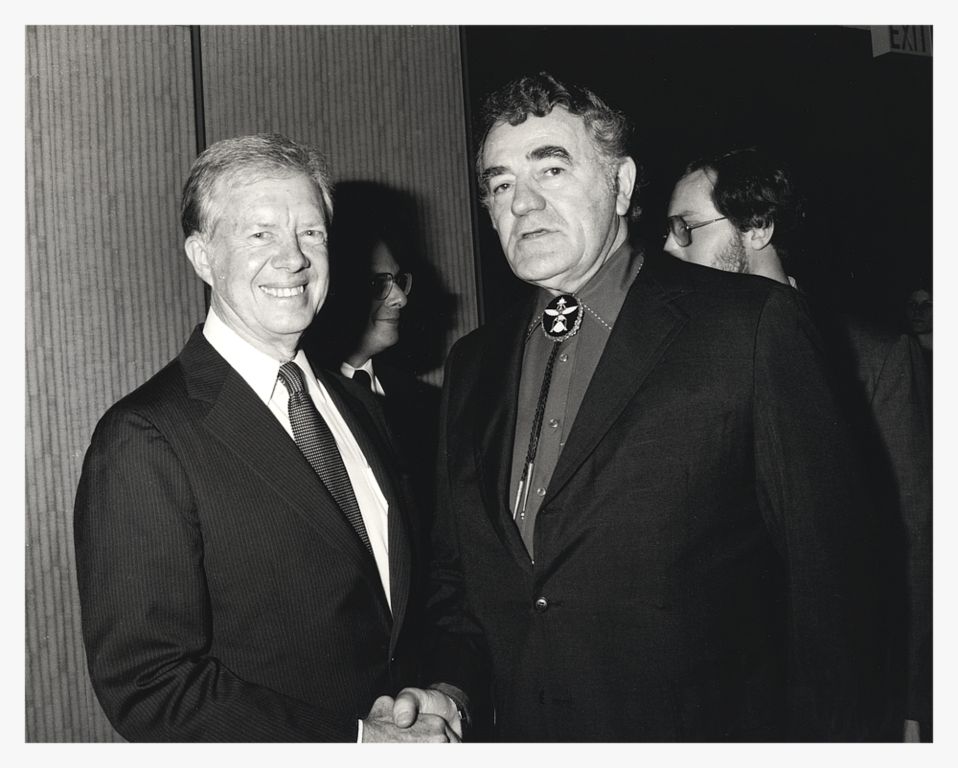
(526, 198)
(396, 298)
(289, 255)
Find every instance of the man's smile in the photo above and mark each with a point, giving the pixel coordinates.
(282, 293)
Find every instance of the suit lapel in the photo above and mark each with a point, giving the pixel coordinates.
(495, 410)
(647, 324)
(252, 435)
(400, 555)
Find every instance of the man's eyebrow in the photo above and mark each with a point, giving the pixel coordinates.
(539, 153)
(488, 173)
(550, 150)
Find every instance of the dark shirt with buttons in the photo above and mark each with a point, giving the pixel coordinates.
(577, 359)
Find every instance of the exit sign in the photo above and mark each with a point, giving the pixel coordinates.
(915, 40)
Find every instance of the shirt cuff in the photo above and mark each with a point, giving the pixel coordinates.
(458, 697)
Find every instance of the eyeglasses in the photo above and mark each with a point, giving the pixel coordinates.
(382, 283)
(682, 232)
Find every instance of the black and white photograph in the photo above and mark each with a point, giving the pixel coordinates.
(482, 382)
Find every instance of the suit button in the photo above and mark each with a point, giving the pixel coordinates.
(541, 605)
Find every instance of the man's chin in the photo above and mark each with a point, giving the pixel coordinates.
(291, 324)
(534, 270)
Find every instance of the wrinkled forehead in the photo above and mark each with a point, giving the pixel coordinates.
(249, 187)
(247, 176)
(507, 143)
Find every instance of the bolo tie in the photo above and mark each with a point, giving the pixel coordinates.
(560, 321)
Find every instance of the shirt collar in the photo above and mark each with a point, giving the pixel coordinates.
(347, 370)
(258, 369)
(606, 290)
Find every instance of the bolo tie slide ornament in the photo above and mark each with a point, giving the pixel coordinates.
(560, 321)
(562, 318)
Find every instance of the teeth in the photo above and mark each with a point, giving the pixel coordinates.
(283, 293)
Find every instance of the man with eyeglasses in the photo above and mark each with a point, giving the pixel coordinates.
(741, 239)
(373, 250)
(740, 212)
(388, 289)
(648, 509)
(360, 320)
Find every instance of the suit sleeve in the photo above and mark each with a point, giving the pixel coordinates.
(810, 490)
(456, 653)
(146, 613)
(902, 418)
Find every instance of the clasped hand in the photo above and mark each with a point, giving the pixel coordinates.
(414, 715)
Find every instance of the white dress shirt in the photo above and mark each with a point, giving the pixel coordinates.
(347, 370)
(261, 372)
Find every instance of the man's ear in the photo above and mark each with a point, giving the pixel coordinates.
(625, 182)
(197, 251)
(758, 238)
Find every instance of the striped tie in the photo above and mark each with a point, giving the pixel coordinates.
(319, 447)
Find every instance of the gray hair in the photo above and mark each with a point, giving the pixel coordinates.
(247, 157)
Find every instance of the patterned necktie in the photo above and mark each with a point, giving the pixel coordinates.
(319, 447)
(361, 377)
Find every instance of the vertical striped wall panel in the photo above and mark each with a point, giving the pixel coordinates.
(384, 103)
(110, 298)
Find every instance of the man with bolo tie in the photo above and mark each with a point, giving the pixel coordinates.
(648, 516)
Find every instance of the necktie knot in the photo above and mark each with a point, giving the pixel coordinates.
(292, 378)
(361, 377)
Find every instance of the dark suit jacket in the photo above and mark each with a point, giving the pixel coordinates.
(886, 390)
(411, 408)
(224, 595)
(698, 570)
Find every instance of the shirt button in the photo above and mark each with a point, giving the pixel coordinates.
(554, 423)
(541, 605)
(540, 491)
(564, 357)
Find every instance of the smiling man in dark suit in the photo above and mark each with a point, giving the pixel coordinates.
(648, 516)
(248, 562)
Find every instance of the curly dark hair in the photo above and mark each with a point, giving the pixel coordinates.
(754, 189)
(538, 95)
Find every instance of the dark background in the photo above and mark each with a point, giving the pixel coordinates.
(855, 129)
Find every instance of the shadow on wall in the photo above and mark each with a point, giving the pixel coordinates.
(364, 215)
(367, 216)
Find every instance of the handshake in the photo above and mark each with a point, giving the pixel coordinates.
(416, 714)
